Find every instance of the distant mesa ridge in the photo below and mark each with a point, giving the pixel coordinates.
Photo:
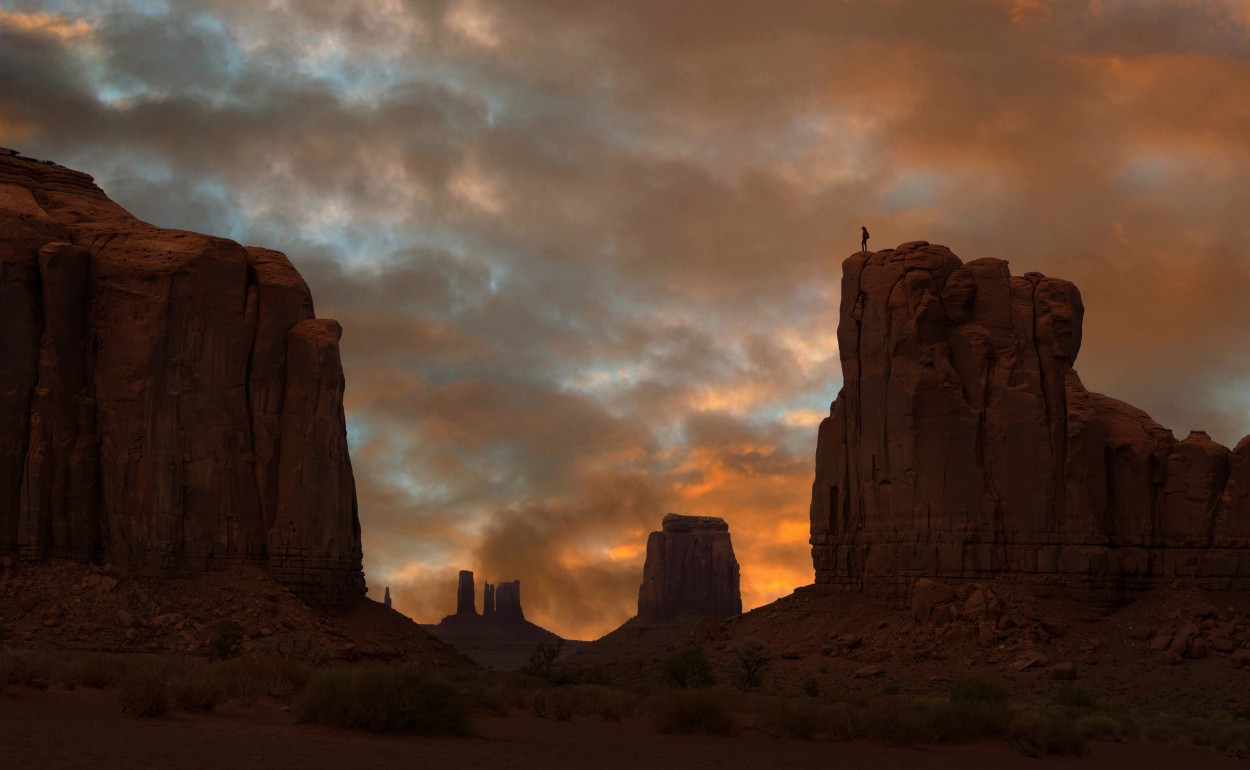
(964, 445)
(690, 568)
(170, 401)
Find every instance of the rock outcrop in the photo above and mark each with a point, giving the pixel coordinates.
(503, 602)
(500, 636)
(963, 444)
(690, 568)
(169, 403)
(466, 595)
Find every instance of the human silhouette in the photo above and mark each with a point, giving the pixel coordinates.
(864, 245)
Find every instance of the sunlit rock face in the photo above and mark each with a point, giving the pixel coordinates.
(168, 401)
(963, 444)
(690, 568)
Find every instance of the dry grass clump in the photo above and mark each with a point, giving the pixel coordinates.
(243, 680)
(393, 699)
(693, 711)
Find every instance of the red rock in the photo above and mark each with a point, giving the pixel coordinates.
(868, 672)
(1065, 670)
(690, 567)
(170, 403)
(1242, 657)
(963, 445)
(466, 595)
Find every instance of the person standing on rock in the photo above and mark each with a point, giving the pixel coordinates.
(864, 245)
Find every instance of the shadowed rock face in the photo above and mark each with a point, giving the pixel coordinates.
(466, 594)
(963, 444)
(690, 568)
(169, 402)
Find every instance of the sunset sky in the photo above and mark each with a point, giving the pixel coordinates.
(587, 254)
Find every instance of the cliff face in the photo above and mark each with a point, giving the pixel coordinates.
(963, 444)
(169, 402)
(690, 567)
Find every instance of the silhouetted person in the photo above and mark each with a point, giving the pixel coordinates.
(864, 245)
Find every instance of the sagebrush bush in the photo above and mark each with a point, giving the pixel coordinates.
(195, 688)
(393, 699)
(227, 639)
(1076, 698)
(243, 680)
(978, 690)
(145, 689)
(693, 711)
(688, 668)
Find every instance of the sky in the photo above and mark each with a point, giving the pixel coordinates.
(587, 254)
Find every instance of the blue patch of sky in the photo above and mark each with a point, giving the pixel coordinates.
(1149, 171)
(913, 190)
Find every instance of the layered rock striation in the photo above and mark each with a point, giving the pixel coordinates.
(963, 444)
(169, 400)
(690, 568)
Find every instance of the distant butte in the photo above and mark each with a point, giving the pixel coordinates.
(690, 568)
(963, 445)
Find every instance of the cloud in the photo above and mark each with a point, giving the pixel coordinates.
(586, 255)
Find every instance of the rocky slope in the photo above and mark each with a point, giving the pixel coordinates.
(964, 445)
(170, 402)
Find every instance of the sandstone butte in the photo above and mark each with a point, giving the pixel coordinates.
(963, 445)
(690, 569)
(169, 402)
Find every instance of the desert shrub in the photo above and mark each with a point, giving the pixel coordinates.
(227, 638)
(811, 687)
(842, 721)
(555, 702)
(195, 688)
(800, 719)
(609, 703)
(753, 658)
(1076, 698)
(885, 721)
(963, 721)
(1233, 741)
(978, 690)
(98, 671)
(5, 634)
(688, 668)
(30, 668)
(1099, 727)
(1036, 731)
(398, 699)
(693, 711)
(145, 689)
(542, 659)
(242, 680)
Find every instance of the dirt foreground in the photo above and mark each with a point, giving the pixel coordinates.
(86, 729)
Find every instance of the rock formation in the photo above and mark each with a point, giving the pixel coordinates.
(963, 444)
(500, 636)
(466, 595)
(170, 402)
(507, 601)
(690, 568)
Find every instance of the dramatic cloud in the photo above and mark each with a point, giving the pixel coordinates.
(587, 254)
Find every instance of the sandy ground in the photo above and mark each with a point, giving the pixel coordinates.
(86, 729)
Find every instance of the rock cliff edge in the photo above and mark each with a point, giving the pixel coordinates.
(963, 444)
(169, 402)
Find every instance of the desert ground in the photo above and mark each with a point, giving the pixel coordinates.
(84, 729)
